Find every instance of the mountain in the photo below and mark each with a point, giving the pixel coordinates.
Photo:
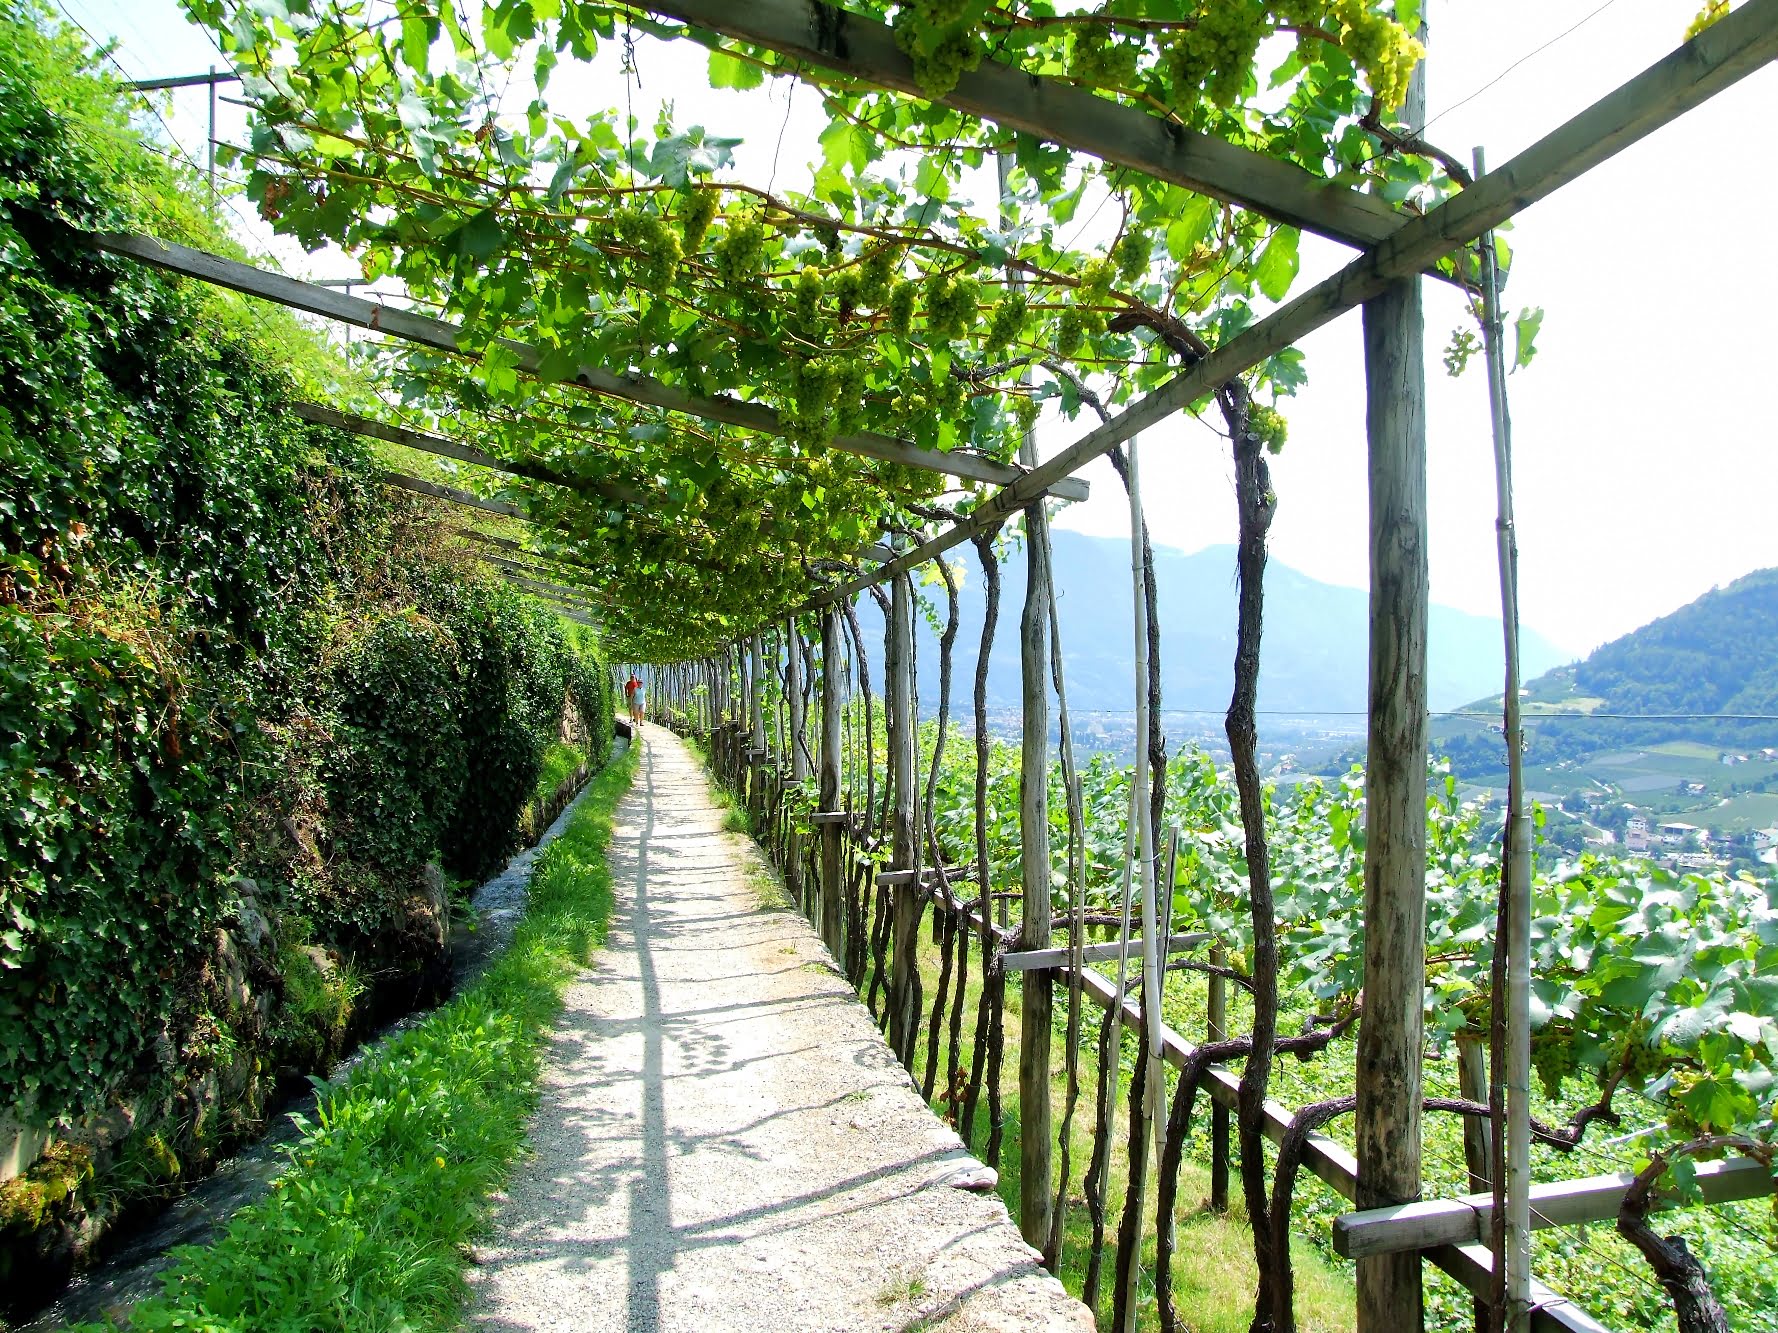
(1314, 655)
(1717, 655)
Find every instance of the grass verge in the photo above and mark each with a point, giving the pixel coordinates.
(367, 1229)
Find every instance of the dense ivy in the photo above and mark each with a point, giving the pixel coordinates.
(224, 646)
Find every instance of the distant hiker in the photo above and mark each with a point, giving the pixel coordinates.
(633, 697)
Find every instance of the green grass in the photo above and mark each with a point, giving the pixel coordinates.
(367, 1230)
(559, 764)
(1214, 1277)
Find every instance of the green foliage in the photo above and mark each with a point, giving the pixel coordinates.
(878, 299)
(367, 1228)
(395, 772)
(514, 681)
(210, 660)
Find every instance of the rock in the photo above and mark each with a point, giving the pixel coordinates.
(977, 1179)
(322, 960)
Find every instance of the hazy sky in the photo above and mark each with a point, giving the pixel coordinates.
(1647, 459)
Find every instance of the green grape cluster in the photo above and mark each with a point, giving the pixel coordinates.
(1217, 53)
(1095, 279)
(1130, 255)
(1268, 425)
(901, 309)
(828, 399)
(741, 251)
(1070, 329)
(846, 288)
(1382, 48)
(949, 396)
(696, 213)
(943, 47)
(656, 245)
(1024, 415)
(1004, 324)
(950, 306)
(807, 290)
(877, 275)
(1554, 1058)
(1096, 56)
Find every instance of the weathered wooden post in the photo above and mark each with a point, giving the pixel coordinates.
(799, 768)
(1218, 1014)
(756, 704)
(1389, 1038)
(904, 1017)
(1037, 996)
(833, 866)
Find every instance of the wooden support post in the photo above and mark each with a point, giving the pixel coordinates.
(799, 768)
(833, 864)
(904, 1016)
(1037, 995)
(756, 708)
(1218, 1006)
(1389, 1038)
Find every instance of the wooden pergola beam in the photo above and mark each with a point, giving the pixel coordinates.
(1048, 106)
(565, 596)
(1727, 51)
(443, 447)
(444, 336)
(420, 486)
(508, 544)
(540, 573)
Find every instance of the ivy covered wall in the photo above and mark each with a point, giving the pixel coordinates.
(256, 716)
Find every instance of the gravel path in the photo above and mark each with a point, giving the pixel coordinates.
(724, 1140)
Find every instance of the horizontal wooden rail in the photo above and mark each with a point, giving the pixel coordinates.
(1469, 1219)
(445, 336)
(1335, 1164)
(1061, 956)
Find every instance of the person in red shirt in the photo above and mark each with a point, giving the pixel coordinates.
(633, 697)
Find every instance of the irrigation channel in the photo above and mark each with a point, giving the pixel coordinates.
(139, 1253)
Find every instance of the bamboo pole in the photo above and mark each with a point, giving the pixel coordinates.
(1516, 1258)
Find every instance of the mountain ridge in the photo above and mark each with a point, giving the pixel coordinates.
(1314, 660)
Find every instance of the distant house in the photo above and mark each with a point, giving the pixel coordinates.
(1636, 834)
(1764, 838)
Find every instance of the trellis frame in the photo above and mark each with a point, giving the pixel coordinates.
(1386, 271)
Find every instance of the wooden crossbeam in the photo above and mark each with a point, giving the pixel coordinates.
(420, 486)
(539, 573)
(1730, 49)
(863, 48)
(1032, 960)
(566, 596)
(508, 544)
(1470, 1219)
(443, 447)
(448, 337)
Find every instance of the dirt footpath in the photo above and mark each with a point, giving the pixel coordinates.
(725, 1141)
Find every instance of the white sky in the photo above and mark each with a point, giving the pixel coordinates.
(1646, 463)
